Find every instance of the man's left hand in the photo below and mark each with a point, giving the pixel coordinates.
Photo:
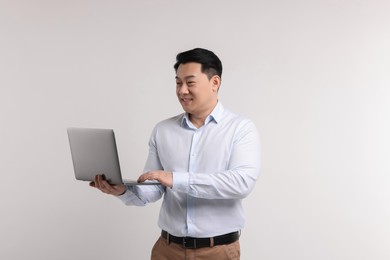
(165, 178)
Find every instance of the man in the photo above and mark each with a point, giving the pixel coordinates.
(207, 160)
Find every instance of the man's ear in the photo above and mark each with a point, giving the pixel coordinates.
(216, 81)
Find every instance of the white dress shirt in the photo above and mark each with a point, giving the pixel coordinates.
(214, 167)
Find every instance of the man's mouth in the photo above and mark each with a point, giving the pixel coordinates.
(186, 100)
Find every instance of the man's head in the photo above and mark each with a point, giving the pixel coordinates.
(210, 64)
(198, 77)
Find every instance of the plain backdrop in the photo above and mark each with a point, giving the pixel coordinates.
(314, 76)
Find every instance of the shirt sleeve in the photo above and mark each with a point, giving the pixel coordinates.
(237, 181)
(141, 195)
(130, 198)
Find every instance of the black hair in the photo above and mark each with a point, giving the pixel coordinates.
(211, 64)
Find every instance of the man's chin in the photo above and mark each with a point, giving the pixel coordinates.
(186, 107)
(187, 110)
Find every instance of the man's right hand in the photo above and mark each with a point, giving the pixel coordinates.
(101, 184)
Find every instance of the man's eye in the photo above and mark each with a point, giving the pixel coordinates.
(191, 83)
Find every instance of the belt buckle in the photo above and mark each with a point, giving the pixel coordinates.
(189, 243)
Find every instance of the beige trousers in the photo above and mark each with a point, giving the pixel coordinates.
(164, 251)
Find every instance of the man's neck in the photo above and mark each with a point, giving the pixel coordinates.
(197, 121)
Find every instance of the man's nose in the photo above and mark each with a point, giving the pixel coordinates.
(183, 89)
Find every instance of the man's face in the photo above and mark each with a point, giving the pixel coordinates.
(196, 92)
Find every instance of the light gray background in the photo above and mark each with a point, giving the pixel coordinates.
(313, 75)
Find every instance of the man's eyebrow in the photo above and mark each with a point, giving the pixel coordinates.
(186, 77)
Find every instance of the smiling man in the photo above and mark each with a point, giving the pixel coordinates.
(207, 160)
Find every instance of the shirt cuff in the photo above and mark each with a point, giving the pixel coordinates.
(180, 181)
(127, 196)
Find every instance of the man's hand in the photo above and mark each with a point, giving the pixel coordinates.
(165, 178)
(101, 184)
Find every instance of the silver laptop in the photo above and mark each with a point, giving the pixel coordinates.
(94, 152)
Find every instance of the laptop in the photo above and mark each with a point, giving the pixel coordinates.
(94, 152)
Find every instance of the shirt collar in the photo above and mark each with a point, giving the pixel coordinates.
(217, 112)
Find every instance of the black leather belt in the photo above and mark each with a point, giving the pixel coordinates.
(192, 243)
